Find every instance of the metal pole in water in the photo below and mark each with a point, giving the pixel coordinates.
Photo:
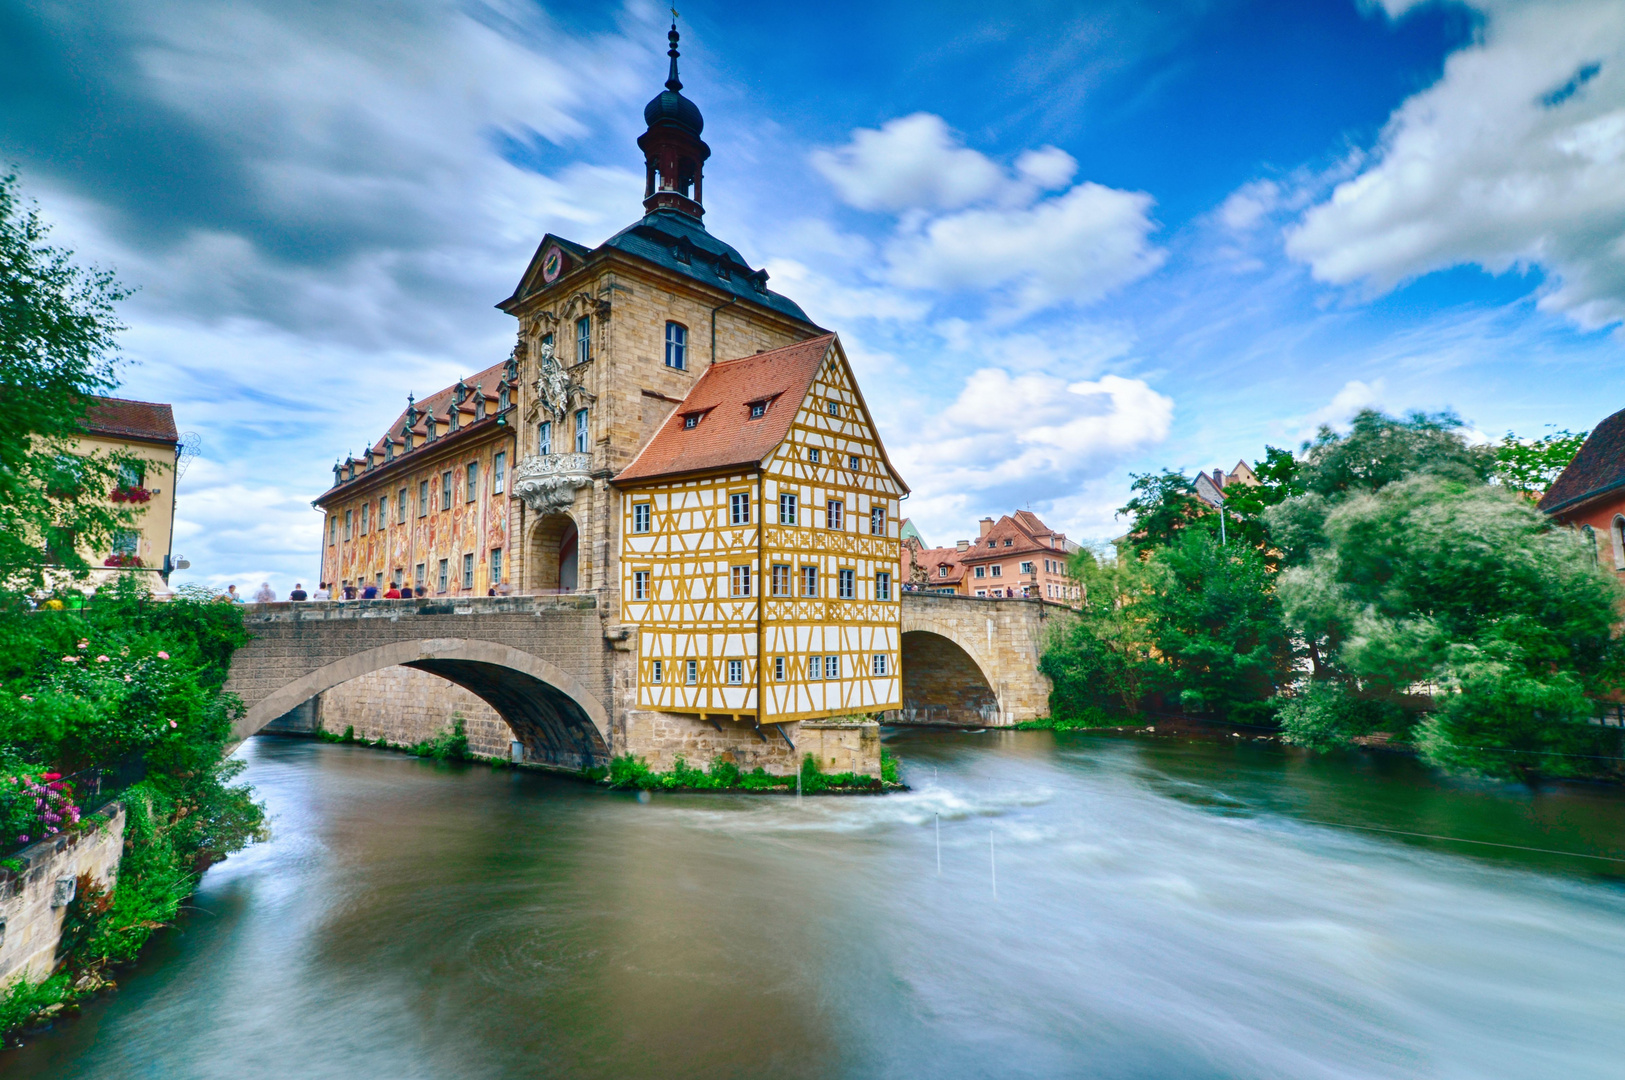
(993, 864)
(939, 845)
(798, 787)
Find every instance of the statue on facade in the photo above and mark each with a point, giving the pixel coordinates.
(552, 384)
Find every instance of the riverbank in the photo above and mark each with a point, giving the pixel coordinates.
(631, 773)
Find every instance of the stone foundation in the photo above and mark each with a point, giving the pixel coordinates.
(404, 706)
(34, 900)
(661, 738)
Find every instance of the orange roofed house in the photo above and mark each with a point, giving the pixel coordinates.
(1016, 556)
(759, 545)
(1590, 493)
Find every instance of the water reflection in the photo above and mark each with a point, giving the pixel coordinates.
(1164, 909)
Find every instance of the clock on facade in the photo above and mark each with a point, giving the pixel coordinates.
(552, 264)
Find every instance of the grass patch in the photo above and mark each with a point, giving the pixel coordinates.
(629, 773)
(1084, 719)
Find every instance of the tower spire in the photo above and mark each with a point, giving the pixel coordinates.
(673, 83)
(673, 152)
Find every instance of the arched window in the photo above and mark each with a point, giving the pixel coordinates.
(1616, 532)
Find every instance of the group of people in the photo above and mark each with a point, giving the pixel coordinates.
(341, 591)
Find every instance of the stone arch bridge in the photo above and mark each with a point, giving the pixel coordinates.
(561, 675)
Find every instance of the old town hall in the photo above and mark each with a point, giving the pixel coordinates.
(675, 440)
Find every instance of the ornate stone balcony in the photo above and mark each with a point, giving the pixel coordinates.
(548, 482)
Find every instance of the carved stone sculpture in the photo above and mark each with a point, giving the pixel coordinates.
(548, 482)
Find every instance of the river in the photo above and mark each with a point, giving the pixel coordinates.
(1119, 906)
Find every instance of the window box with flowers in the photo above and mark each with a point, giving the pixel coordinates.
(123, 560)
(130, 493)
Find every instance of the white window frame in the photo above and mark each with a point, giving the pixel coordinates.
(787, 508)
(781, 583)
(581, 431)
(642, 517)
(468, 570)
(657, 671)
(846, 584)
(736, 673)
(676, 346)
(496, 566)
(739, 581)
(883, 585)
(877, 521)
(809, 582)
(778, 669)
(472, 472)
(499, 473)
(691, 673)
(739, 508)
(877, 666)
(815, 667)
(544, 438)
(835, 514)
(832, 666)
(640, 584)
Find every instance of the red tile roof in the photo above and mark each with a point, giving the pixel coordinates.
(1025, 532)
(726, 437)
(124, 419)
(437, 402)
(1598, 468)
(932, 559)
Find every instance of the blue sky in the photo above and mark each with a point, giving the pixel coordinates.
(1062, 242)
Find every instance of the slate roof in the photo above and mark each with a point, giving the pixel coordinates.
(680, 243)
(489, 381)
(121, 418)
(677, 242)
(1597, 469)
(726, 437)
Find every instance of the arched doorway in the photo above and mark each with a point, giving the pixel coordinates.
(553, 561)
(943, 685)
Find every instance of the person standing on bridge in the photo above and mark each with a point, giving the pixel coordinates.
(321, 591)
(394, 592)
(265, 595)
(298, 592)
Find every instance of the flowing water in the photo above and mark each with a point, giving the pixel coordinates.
(1107, 906)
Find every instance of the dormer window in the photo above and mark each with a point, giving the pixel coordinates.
(389, 449)
(479, 405)
(1008, 542)
(502, 398)
(432, 426)
(758, 409)
(692, 420)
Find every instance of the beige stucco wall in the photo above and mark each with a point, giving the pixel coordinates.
(155, 518)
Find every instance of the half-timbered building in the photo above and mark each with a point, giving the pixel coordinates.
(760, 546)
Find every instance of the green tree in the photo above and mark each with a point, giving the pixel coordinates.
(1104, 661)
(1278, 480)
(57, 331)
(1163, 507)
(1455, 599)
(1529, 466)
(1217, 628)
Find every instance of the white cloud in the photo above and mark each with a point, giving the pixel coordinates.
(968, 225)
(1515, 158)
(1074, 248)
(1248, 205)
(1354, 396)
(1013, 432)
(912, 162)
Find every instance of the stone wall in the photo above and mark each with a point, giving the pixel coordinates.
(1004, 639)
(34, 899)
(404, 706)
(661, 738)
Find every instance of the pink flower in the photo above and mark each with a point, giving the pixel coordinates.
(84, 643)
(69, 659)
(173, 724)
(162, 655)
(127, 678)
(25, 697)
(23, 839)
(101, 659)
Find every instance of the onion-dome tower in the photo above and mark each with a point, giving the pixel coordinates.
(673, 152)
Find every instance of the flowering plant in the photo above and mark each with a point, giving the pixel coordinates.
(34, 805)
(122, 558)
(130, 493)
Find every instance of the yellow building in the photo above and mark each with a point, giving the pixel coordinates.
(427, 506)
(760, 545)
(145, 430)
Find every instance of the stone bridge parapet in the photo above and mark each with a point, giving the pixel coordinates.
(1003, 638)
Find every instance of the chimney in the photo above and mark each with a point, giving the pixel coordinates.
(1218, 478)
(987, 525)
(962, 545)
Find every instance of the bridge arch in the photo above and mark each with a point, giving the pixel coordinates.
(558, 719)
